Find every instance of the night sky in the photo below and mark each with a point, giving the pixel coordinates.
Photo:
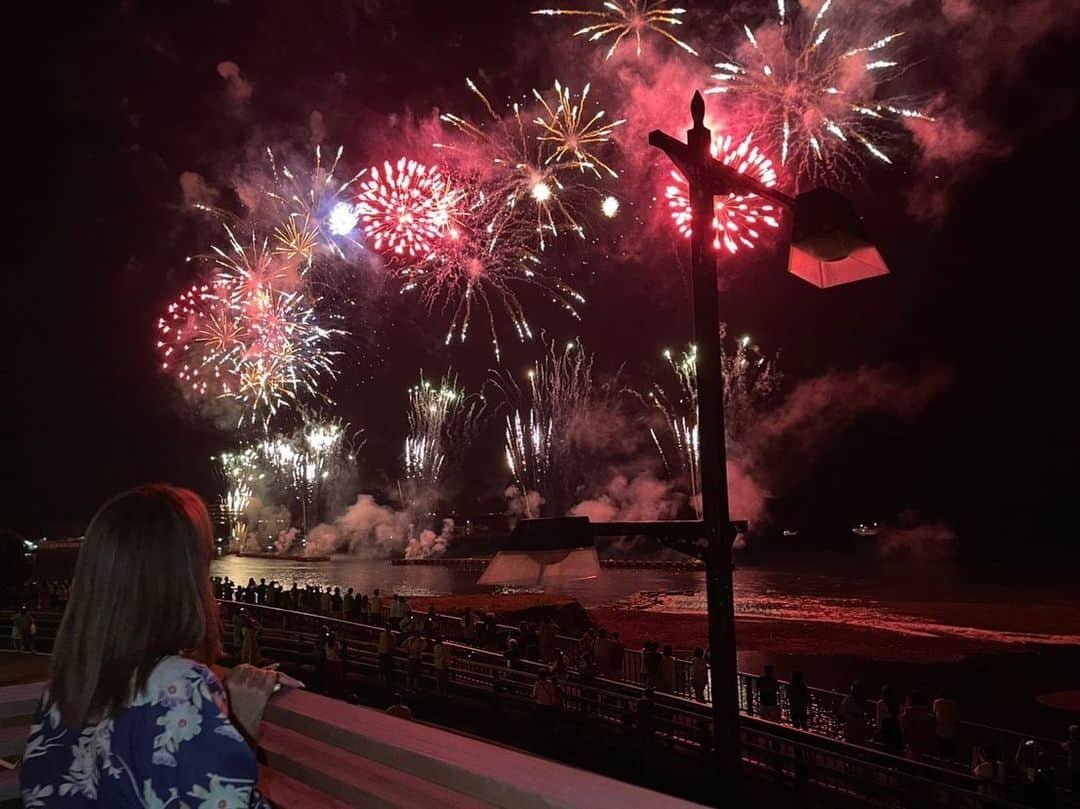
(109, 103)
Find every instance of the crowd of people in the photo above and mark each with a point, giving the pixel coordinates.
(912, 726)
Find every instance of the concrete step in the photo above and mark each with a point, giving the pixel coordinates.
(351, 778)
(286, 793)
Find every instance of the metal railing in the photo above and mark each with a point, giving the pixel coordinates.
(868, 777)
(292, 635)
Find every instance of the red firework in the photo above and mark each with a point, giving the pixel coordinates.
(406, 209)
(737, 218)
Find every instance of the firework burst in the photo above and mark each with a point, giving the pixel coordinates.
(819, 92)
(283, 348)
(571, 133)
(407, 209)
(251, 335)
(619, 19)
(737, 218)
(531, 165)
(472, 272)
(314, 208)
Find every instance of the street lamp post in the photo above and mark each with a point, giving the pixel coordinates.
(828, 244)
(828, 247)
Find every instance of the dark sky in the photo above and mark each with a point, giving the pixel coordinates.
(109, 103)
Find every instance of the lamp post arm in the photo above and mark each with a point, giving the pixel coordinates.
(719, 178)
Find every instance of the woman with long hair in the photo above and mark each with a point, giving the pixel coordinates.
(132, 716)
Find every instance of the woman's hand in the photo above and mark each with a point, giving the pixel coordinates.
(249, 690)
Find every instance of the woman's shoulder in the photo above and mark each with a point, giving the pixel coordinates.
(177, 679)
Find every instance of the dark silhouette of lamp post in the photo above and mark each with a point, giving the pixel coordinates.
(828, 247)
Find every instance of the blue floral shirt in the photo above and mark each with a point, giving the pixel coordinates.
(172, 747)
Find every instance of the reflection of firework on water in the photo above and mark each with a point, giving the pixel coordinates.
(622, 18)
(571, 133)
(815, 90)
(521, 170)
(472, 271)
(314, 207)
(407, 209)
(750, 381)
(547, 416)
(443, 421)
(245, 337)
(737, 218)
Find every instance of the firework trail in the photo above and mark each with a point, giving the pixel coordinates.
(750, 381)
(737, 218)
(818, 91)
(523, 173)
(680, 414)
(315, 209)
(547, 414)
(619, 19)
(443, 421)
(240, 471)
(407, 210)
(306, 458)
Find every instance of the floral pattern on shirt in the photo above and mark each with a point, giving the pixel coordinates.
(172, 747)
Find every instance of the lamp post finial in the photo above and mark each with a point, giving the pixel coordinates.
(697, 109)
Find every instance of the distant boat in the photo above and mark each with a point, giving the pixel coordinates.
(864, 530)
(791, 532)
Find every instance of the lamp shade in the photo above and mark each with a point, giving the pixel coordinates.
(544, 553)
(828, 242)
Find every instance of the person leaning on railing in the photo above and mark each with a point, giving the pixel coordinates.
(131, 715)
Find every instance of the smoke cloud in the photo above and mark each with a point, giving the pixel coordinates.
(365, 529)
(522, 505)
(196, 190)
(316, 127)
(285, 540)
(238, 90)
(429, 544)
(643, 497)
(909, 536)
(776, 451)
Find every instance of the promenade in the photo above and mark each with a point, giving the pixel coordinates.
(598, 726)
